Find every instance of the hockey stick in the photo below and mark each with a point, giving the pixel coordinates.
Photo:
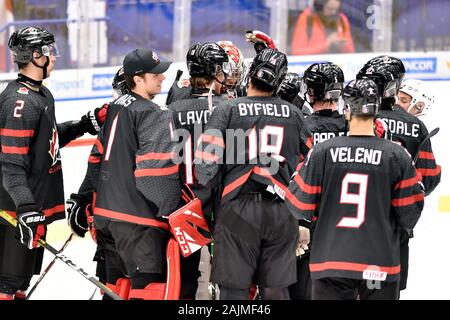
(428, 137)
(66, 260)
(50, 265)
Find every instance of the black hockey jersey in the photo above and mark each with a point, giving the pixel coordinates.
(30, 161)
(362, 190)
(409, 131)
(139, 178)
(192, 114)
(256, 138)
(326, 124)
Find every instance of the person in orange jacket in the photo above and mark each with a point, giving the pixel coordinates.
(322, 29)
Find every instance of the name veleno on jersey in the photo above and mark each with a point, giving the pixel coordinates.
(402, 128)
(268, 109)
(358, 155)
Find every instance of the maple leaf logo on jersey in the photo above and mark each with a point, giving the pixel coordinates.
(23, 90)
(54, 146)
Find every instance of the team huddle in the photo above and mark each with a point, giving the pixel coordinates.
(255, 171)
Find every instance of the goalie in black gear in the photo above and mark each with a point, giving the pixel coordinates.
(230, 88)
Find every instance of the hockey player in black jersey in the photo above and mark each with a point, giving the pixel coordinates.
(289, 90)
(251, 146)
(363, 190)
(31, 187)
(206, 62)
(138, 184)
(79, 205)
(407, 130)
(323, 84)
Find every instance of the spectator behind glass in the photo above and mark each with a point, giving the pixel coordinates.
(322, 29)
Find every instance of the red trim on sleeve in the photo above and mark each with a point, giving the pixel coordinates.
(156, 172)
(426, 155)
(14, 150)
(406, 201)
(430, 172)
(407, 183)
(155, 156)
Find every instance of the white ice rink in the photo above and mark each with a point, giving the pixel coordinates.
(429, 254)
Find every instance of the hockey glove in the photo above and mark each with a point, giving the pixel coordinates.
(260, 39)
(303, 241)
(30, 226)
(77, 216)
(94, 120)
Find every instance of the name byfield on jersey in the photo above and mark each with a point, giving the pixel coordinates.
(267, 109)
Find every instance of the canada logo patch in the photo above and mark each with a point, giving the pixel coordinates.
(23, 90)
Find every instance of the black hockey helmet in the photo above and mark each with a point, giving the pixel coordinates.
(323, 81)
(25, 41)
(290, 86)
(361, 97)
(394, 65)
(206, 59)
(269, 67)
(383, 77)
(119, 84)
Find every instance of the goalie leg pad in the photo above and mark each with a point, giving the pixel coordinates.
(122, 287)
(170, 290)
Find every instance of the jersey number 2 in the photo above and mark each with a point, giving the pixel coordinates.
(358, 199)
(19, 106)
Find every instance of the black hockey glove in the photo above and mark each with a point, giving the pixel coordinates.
(94, 120)
(77, 215)
(30, 226)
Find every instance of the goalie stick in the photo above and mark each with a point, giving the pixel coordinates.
(428, 137)
(50, 265)
(66, 260)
